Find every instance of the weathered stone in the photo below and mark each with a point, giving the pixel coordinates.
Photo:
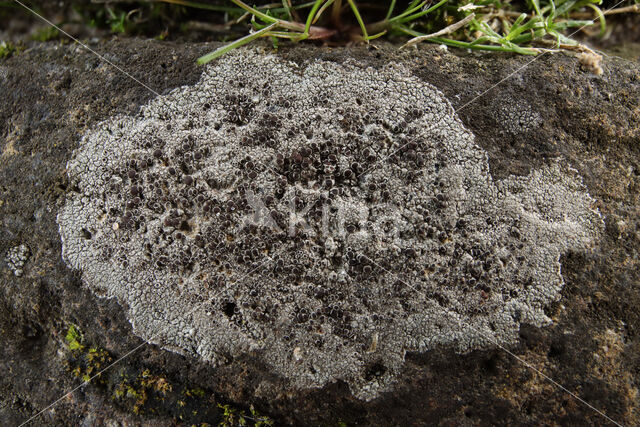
(551, 124)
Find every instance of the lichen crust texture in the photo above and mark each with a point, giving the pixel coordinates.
(324, 220)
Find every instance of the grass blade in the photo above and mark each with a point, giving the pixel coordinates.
(356, 12)
(450, 29)
(603, 20)
(322, 9)
(422, 13)
(312, 13)
(240, 42)
(390, 11)
(201, 5)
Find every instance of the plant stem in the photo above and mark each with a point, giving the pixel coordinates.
(240, 42)
(356, 12)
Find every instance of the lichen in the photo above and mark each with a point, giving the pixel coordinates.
(325, 220)
(516, 117)
(16, 258)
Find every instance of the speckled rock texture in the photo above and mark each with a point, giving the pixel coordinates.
(529, 194)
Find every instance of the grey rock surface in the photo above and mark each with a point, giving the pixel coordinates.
(555, 146)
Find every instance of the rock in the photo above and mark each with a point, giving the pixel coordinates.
(551, 125)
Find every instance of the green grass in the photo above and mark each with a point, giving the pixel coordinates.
(527, 27)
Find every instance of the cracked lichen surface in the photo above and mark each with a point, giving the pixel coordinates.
(325, 220)
(16, 258)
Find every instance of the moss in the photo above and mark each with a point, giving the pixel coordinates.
(234, 417)
(82, 362)
(198, 392)
(73, 338)
(8, 49)
(259, 419)
(146, 388)
(143, 391)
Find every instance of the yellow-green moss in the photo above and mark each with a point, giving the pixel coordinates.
(136, 393)
(198, 392)
(232, 417)
(147, 392)
(74, 338)
(84, 363)
(8, 49)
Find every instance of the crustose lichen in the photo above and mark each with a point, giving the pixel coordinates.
(281, 212)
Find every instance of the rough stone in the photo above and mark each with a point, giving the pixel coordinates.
(590, 124)
(401, 241)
